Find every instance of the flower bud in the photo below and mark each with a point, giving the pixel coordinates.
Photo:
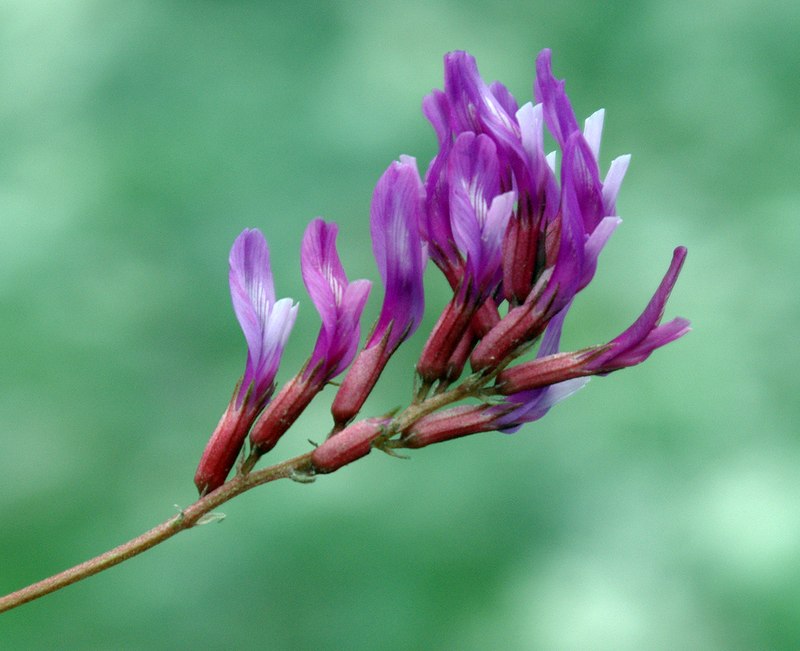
(352, 443)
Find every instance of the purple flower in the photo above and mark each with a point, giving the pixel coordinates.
(339, 302)
(266, 324)
(646, 333)
(628, 349)
(396, 210)
(397, 206)
(479, 213)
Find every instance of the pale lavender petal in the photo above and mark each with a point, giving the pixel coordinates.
(594, 244)
(551, 159)
(536, 406)
(493, 232)
(613, 181)
(545, 187)
(277, 327)
(593, 132)
(252, 290)
(530, 121)
(265, 323)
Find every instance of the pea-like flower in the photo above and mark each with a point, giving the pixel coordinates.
(266, 324)
(395, 213)
(631, 347)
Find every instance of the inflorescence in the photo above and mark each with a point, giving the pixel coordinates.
(516, 236)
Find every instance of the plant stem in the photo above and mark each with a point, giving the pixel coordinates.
(241, 482)
(186, 519)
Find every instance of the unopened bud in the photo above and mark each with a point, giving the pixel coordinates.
(452, 423)
(359, 381)
(352, 443)
(282, 412)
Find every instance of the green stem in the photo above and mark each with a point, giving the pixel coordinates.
(186, 519)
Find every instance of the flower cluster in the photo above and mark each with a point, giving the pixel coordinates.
(516, 234)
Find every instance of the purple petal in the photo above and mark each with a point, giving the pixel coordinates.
(657, 337)
(613, 181)
(503, 97)
(535, 404)
(579, 175)
(558, 114)
(396, 211)
(436, 108)
(339, 302)
(569, 263)
(594, 244)
(474, 182)
(593, 132)
(479, 216)
(474, 107)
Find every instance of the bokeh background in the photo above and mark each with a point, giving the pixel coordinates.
(657, 509)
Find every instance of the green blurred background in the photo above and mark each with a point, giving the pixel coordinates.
(657, 509)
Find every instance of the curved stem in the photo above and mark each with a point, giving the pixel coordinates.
(186, 519)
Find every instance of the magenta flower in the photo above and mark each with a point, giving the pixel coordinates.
(266, 324)
(397, 207)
